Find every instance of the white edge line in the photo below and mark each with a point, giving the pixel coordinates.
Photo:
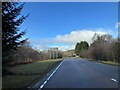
(45, 82)
(114, 80)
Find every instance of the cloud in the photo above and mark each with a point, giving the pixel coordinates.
(117, 25)
(41, 47)
(64, 47)
(77, 36)
(68, 41)
(69, 47)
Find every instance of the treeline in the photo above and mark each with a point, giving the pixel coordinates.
(26, 54)
(103, 47)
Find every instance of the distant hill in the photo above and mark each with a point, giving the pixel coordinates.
(69, 53)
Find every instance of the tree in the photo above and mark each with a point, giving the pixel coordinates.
(104, 47)
(77, 49)
(11, 21)
(83, 47)
(80, 47)
(26, 54)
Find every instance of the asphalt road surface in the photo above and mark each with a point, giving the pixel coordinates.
(74, 73)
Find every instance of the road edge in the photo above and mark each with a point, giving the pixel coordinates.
(45, 79)
(45, 82)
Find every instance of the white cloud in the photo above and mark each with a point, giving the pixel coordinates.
(41, 47)
(68, 41)
(64, 47)
(77, 36)
(117, 25)
(60, 47)
(69, 47)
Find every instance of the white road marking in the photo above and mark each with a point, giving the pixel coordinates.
(50, 76)
(45, 82)
(41, 86)
(114, 80)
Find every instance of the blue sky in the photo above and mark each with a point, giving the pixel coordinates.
(61, 24)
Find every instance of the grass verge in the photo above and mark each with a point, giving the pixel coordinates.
(110, 63)
(104, 62)
(27, 74)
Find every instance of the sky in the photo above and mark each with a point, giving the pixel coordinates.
(64, 24)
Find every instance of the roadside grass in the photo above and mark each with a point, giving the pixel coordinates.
(110, 63)
(102, 61)
(25, 75)
(17, 81)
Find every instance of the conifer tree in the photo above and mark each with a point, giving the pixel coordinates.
(11, 35)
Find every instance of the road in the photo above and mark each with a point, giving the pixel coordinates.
(74, 73)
